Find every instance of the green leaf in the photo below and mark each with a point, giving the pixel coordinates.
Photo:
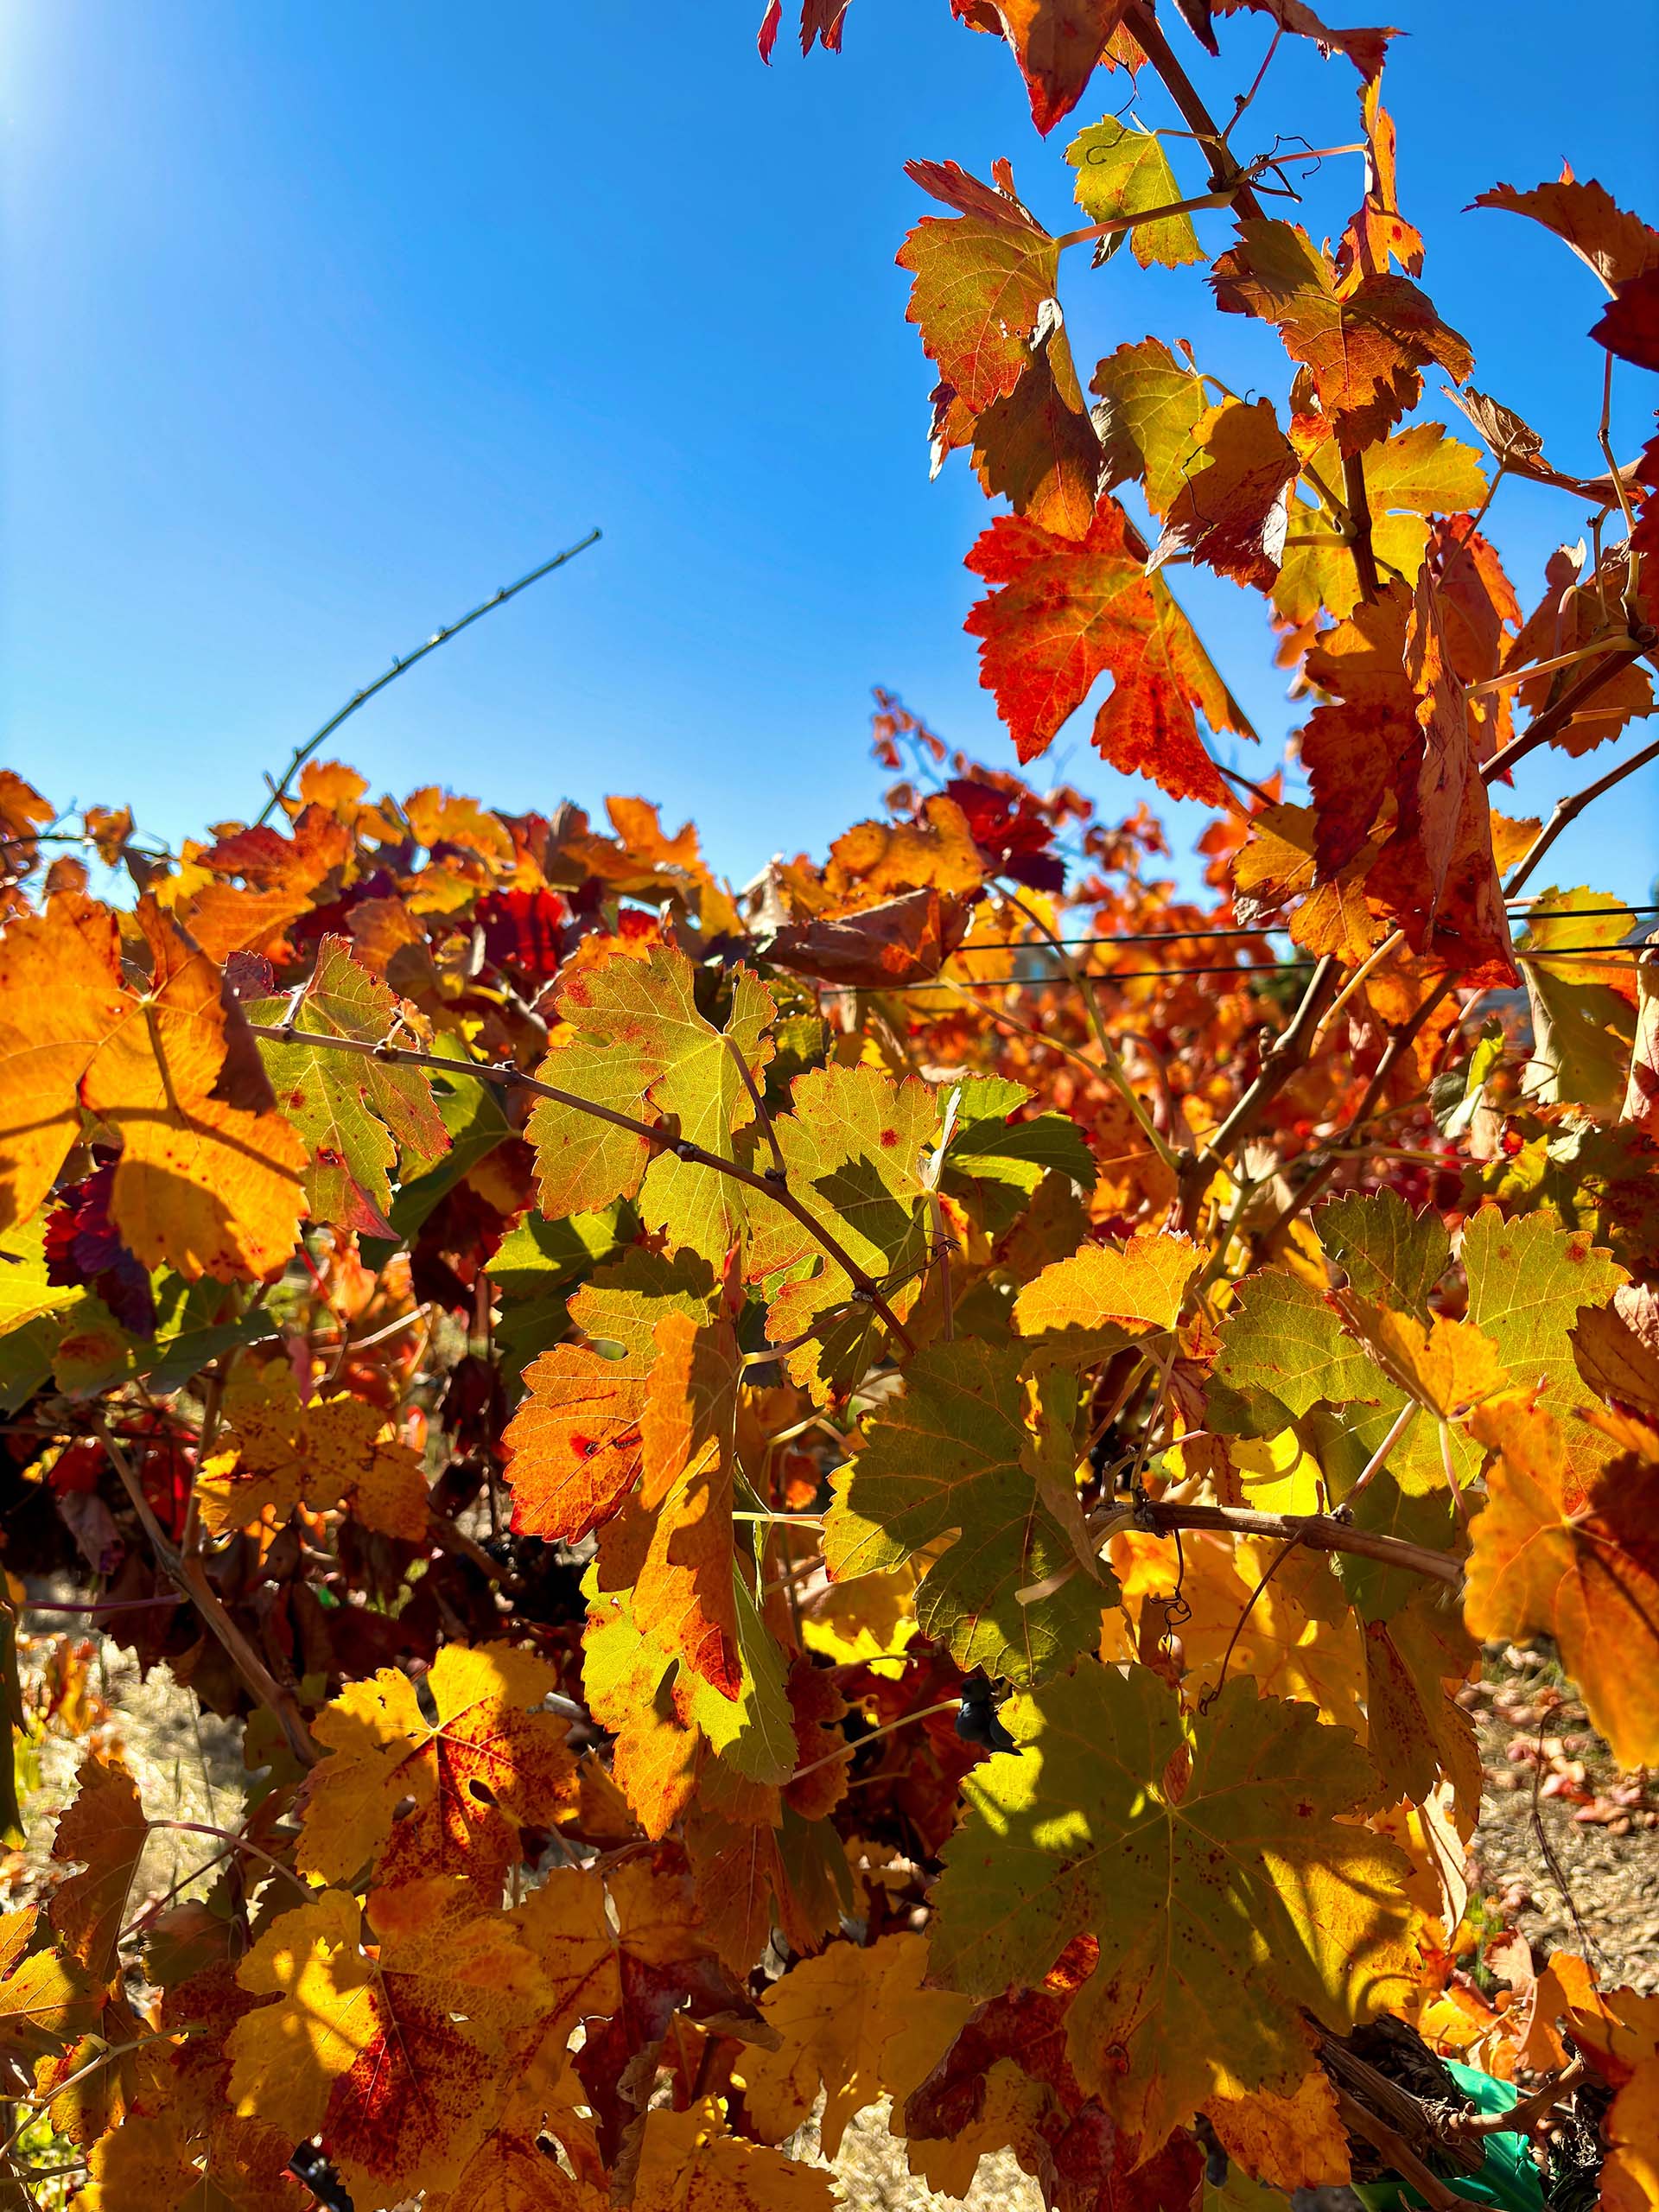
(953, 1459)
(1282, 1337)
(1122, 170)
(1458, 1095)
(535, 1267)
(1529, 1281)
(854, 1149)
(25, 1293)
(638, 1045)
(985, 1146)
(356, 1114)
(1583, 1020)
(195, 1323)
(1210, 1861)
(1151, 407)
(1392, 1256)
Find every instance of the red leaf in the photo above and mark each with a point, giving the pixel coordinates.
(1064, 612)
(1630, 325)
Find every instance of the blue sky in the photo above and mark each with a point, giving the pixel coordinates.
(322, 324)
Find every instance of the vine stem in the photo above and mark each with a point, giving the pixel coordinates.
(864, 1285)
(303, 752)
(192, 1577)
(1568, 810)
(233, 1841)
(1321, 1532)
(845, 1750)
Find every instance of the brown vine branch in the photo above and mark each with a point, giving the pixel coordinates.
(1320, 1531)
(303, 752)
(864, 1285)
(1523, 2116)
(191, 1576)
(857, 1742)
(1359, 2120)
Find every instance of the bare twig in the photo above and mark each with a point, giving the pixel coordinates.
(192, 1577)
(856, 1743)
(303, 752)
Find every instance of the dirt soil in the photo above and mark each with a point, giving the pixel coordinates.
(1568, 1846)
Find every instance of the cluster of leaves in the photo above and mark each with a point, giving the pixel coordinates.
(878, 1486)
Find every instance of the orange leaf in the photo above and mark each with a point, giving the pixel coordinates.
(1580, 1566)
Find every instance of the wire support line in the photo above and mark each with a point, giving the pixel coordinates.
(1263, 968)
(1273, 928)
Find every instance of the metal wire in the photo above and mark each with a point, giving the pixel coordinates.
(1263, 968)
(1275, 929)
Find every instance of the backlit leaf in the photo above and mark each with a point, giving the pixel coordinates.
(1580, 1566)
(1123, 170)
(490, 1762)
(953, 1458)
(1212, 1862)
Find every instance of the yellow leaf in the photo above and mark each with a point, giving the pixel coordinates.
(836, 2016)
(489, 1762)
(104, 1829)
(688, 2162)
(400, 2060)
(277, 1450)
(1134, 1286)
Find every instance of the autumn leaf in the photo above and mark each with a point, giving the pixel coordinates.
(1629, 325)
(836, 2017)
(1106, 1293)
(902, 940)
(1417, 472)
(1584, 1015)
(488, 1762)
(1575, 1562)
(1232, 510)
(983, 276)
(574, 1444)
(1061, 613)
(104, 1831)
(683, 1586)
(40, 1996)
(1617, 245)
(1197, 1853)
(1366, 49)
(953, 1459)
(689, 2160)
(1123, 170)
(204, 1184)
(661, 1716)
(1366, 345)
(1036, 445)
(360, 1117)
(276, 1451)
(400, 2058)
(636, 1043)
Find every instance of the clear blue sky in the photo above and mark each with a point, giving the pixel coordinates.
(323, 322)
